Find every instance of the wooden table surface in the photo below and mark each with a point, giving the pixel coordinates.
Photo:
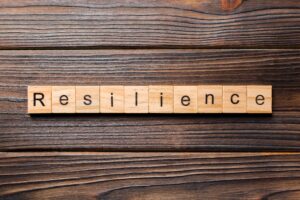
(149, 156)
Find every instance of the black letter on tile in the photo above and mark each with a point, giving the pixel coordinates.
(136, 98)
(212, 98)
(234, 102)
(112, 99)
(63, 100)
(260, 98)
(185, 100)
(161, 99)
(38, 99)
(87, 99)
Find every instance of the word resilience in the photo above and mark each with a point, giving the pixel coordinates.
(150, 99)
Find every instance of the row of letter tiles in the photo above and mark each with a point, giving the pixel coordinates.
(150, 99)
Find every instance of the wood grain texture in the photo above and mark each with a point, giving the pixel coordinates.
(149, 23)
(148, 176)
(141, 28)
(138, 132)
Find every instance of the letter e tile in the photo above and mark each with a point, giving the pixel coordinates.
(63, 99)
(259, 99)
(185, 99)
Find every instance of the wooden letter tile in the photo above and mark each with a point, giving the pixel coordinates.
(185, 99)
(210, 99)
(136, 99)
(63, 99)
(234, 99)
(161, 99)
(87, 99)
(39, 99)
(259, 99)
(112, 99)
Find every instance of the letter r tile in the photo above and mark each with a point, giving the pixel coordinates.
(39, 99)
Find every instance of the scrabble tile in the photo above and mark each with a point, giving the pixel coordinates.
(39, 99)
(185, 99)
(87, 99)
(234, 99)
(210, 99)
(136, 99)
(259, 99)
(63, 99)
(112, 99)
(161, 99)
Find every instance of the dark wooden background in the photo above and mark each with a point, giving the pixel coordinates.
(106, 156)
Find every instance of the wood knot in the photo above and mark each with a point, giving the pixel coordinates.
(230, 5)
